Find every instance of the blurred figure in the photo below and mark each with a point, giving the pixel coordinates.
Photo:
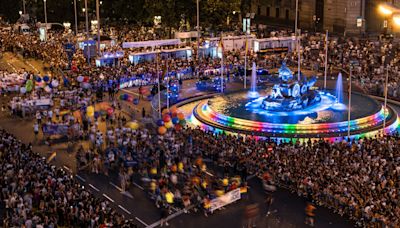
(310, 214)
(251, 213)
(268, 203)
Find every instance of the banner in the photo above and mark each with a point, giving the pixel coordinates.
(55, 129)
(226, 199)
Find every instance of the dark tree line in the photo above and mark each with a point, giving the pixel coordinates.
(213, 13)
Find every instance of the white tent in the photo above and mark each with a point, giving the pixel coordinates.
(151, 43)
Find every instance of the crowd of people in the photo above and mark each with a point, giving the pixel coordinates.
(358, 178)
(37, 194)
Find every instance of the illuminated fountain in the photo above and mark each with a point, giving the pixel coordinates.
(253, 80)
(291, 109)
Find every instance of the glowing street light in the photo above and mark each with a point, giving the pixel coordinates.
(396, 19)
(385, 9)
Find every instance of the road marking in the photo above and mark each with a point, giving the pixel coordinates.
(141, 221)
(107, 197)
(94, 187)
(119, 189)
(80, 178)
(68, 169)
(138, 185)
(128, 91)
(169, 217)
(210, 174)
(127, 194)
(32, 66)
(12, 67)
(124, 209)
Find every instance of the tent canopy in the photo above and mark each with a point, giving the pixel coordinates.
(151, 43)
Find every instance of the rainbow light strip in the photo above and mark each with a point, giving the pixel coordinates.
(205, 114)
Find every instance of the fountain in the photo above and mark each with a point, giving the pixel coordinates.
(293, 109)
(339, 88)
(339, 94)
(253, 89)
(291, 94)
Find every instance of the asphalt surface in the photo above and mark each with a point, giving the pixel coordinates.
(287, 208)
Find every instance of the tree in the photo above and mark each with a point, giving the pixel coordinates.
(215, 12)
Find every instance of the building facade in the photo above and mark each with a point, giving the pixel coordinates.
(337, 16)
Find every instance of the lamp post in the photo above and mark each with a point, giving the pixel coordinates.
(98, 27)
(76, 19)
(349, 108)
(385, 102)
(87, 31)
(23, 6)
(297, 40)
(45, 17)
(198, 35)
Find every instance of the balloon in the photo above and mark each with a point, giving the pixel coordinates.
(121, 97)
(160, 123)
(90, 111)
(47, 89)
(110, 111)
(168, 124)
(142, 90)
(178, 127)
(125, 97)
(22, 90)
(133, 125)
(86, 85)
(130, 98)
(175, 120)
(182, 122)
(162, 130)
(86, 79)
(54, 83)
(181, 116)
(38, 79)
(166, 118)
(80, 79)
(165, 111)
(174, 114)
(173, 109)
(46, 78)
(96, 115)
(135, 101)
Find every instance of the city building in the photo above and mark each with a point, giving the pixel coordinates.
(337, 16)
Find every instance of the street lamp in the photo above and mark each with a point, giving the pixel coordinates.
(45, 16)
(76, 19)
(198, 37)
(98, 26)
(385, 9)
(396, 19)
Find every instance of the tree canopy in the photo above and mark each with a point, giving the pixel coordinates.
(213, 13)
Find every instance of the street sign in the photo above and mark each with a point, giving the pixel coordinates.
(359, 22)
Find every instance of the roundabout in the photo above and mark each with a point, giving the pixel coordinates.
(280, 112)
